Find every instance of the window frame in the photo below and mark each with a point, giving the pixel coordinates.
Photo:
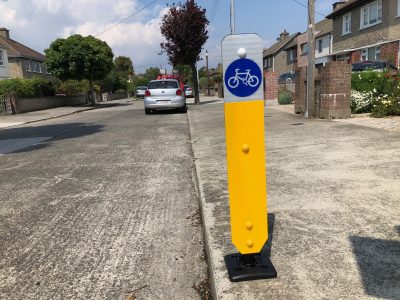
(28, 66)
(365, 13)
(304, 49)
(345, 22)
(320, 45)
(2, 60)
(365, 53)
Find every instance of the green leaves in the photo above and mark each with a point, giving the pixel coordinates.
(79, 57)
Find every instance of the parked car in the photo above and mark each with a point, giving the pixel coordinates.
(287, 78)
(373, 65)
(140, 91)
(188, 91)
(164, 94)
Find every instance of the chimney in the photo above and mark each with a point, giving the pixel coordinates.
(338, 5)
(283, 35)
(5, 33)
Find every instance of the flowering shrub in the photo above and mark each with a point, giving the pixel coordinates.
(387, 105)
(360, 102)
(375, 92)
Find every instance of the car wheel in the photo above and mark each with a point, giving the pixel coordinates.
(147, 111)
(183, 109)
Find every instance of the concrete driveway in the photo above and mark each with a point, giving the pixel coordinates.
(334, 207)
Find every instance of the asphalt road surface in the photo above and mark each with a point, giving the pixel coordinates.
(100, 205)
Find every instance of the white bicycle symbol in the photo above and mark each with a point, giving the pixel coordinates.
(244, 77)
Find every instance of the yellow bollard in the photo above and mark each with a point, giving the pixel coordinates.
(245, 154)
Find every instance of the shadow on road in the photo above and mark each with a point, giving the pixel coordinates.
(379, 266)
(18, 135)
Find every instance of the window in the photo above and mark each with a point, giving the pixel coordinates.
(304, 49)
(36, 66)
(373, 53)
(167, 84)
(28, 66)
(320, 45)
(291, 55)
(371, 14)
(268, 62)
(346, 24)
(2, 58)
(364, 54)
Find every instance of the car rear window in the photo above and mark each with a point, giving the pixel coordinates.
(163, 85)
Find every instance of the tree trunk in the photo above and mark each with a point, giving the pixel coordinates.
(93, 94)
(195, 85)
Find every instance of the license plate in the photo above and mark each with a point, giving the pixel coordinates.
(163, 101)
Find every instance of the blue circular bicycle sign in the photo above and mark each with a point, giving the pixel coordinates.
(243, 77)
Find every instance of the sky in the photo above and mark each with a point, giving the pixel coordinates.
(36, 23)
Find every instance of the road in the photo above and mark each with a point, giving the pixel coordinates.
(101, 206)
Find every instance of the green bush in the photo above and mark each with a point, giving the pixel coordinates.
(387, 104)
(369, 81)
(28, 88)
(120, 91)
(285, 97)
(74, 87)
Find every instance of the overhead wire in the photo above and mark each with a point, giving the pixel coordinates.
(306, 6)
(127, 18)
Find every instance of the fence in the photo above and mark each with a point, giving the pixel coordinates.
(5, 105)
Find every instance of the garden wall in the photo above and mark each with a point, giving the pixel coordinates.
(332, 91)
(34, 104)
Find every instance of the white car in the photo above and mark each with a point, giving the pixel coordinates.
(188, 91)
(140, 90)
(164, 94)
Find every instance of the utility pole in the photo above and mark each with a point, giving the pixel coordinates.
(310, 103)
(208, 75)
(233, 29)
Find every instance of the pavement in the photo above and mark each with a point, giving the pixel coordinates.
(333, 199)
(333, 205)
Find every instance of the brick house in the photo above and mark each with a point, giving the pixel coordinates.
(276, 57)
(366, 30)
(23, 61)
(323, 44)
(4, 67)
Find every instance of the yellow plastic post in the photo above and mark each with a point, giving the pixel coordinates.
(245, 153)
(245, 149)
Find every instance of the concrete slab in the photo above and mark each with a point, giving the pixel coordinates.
(334, 208)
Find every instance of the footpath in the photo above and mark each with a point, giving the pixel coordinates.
(41, 115)
(333, 200)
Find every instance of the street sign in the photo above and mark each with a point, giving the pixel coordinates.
(243, 77)
(245, 154)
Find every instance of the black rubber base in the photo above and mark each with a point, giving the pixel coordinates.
(249, 267)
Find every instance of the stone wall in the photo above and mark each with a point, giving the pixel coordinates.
(270, 85)
(34, 104)
(333, 88)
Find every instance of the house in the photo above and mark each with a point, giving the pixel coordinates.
(4, 67)
(366, 30)
(23, 61)
(323, 44)
(277, 58)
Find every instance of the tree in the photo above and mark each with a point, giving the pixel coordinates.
(185, 29)
(152, 73)
(123, 65)
(78, 57)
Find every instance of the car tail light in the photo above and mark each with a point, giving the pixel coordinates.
(179, 92)
(147, 93)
